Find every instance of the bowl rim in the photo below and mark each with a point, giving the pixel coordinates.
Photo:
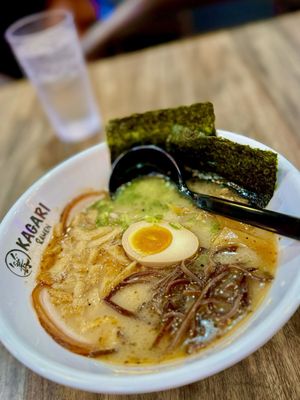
(171, 376)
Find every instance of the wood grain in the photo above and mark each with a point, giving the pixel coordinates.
(252, 75)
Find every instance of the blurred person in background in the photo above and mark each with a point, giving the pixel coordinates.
(108, 27)
(133, 24)
(128, 25)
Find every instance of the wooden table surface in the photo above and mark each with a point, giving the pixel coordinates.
(252, 75)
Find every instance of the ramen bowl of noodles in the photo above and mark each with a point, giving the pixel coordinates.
(143, 292)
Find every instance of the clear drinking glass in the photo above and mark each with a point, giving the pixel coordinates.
(47, 47)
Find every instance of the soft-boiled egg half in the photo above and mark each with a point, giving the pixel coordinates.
(158, 244)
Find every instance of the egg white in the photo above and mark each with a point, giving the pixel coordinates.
(184, 245)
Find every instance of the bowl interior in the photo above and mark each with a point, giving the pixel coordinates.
(23, 336)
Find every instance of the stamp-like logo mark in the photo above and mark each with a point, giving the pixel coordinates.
(18, 262)
(35, 230)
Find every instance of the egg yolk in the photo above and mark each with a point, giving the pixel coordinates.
(151, 239)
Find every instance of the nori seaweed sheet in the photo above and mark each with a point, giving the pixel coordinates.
(250, 168)
(153, 127)
(189, 134)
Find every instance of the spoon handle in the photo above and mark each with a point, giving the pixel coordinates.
(282, 224)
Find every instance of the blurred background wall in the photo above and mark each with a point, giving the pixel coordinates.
(152, 21)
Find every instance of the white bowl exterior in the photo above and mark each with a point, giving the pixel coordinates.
(24, 337)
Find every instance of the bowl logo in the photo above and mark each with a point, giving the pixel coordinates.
(19, 263)
(35, 230)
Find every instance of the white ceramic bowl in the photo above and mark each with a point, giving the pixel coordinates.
(22, 335)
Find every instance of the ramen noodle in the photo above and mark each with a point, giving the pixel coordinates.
(147, 277)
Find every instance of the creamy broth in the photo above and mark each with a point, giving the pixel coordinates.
(96, 301)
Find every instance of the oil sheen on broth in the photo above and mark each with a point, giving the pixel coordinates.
(100, 296)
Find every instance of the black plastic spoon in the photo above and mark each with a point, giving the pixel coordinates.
(149, 159)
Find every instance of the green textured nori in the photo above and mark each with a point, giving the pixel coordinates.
(153, 127)
(189, 134)
(252, 169)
